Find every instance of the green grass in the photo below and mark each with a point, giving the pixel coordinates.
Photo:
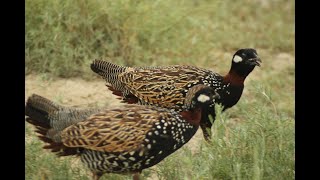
(63, 37)
(261, 146)
(252, 140)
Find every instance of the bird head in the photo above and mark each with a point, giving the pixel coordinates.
(200, 96)
(244, 61)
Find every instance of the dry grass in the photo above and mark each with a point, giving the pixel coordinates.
(252, 140)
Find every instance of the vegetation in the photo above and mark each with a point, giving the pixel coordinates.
(63, 37)
(252, 140)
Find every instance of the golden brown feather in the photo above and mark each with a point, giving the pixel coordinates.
(167, 86)
(120, 140)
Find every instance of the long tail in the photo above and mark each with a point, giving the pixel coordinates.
(40, 111)
(110, 72)
(107, 70)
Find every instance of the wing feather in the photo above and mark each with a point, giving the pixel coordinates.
(164, 86)
(113, 130)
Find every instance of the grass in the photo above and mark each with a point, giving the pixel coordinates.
(255, 142)
(63, 37)
(252, 140)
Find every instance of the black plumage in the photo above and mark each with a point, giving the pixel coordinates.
(120, 140)
(167, 86)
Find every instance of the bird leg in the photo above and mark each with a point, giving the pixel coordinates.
(136, 176)
(206, 132)
(96, 175)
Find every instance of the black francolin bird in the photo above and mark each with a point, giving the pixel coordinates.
(120, 140)
(168, 86)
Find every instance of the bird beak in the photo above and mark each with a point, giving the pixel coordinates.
(255, 61)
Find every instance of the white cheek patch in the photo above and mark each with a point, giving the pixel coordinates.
(237, 59)
(203, 98)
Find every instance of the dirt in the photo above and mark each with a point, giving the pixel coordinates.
(77, 92)
(71, 92)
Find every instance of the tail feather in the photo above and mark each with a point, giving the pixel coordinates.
(41, 131)
(107, 70)
(110, 72)
(38, 109)
(45, 139)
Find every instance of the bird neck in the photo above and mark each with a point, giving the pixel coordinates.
(192, 116)
(234, 78)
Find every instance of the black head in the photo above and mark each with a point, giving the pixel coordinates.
(244, 61)
(200, 96)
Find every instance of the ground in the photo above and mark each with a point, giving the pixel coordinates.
(77, 92)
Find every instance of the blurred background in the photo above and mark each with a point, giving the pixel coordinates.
(252, 140)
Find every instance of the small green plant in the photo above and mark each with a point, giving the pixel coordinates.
(63, 37)
(252, 140)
